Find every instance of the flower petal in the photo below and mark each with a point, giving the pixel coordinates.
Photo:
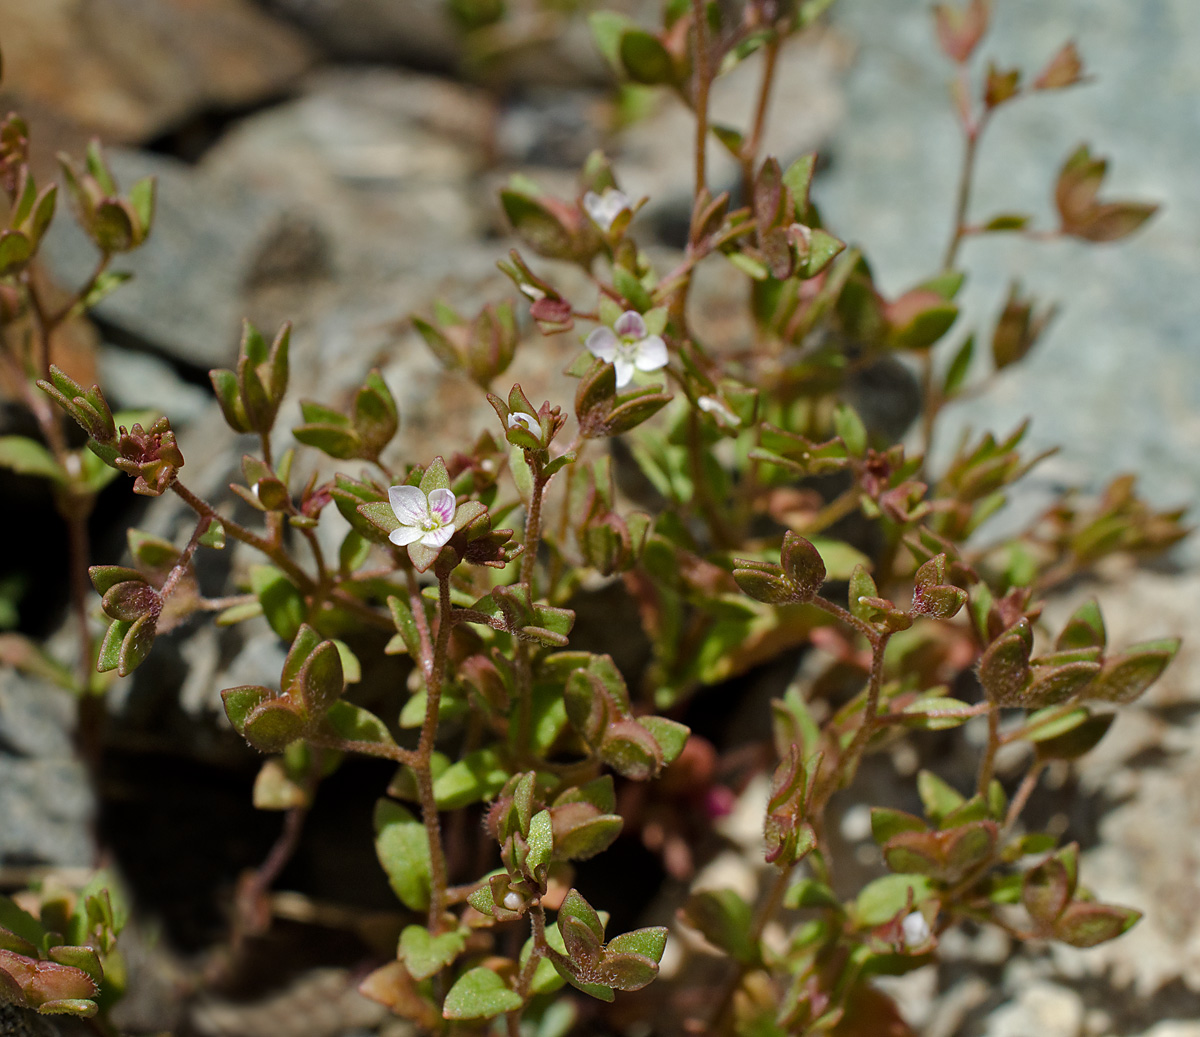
(442, 505)
(594, 206)
(406, 535)
(437, 537)
(602, 343)
(651, 354)
(409, 505)
(527, 421)
(630, 325)
(624, 371)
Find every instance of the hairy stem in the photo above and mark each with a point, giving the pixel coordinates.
(987, 764)
(435, 675)
(753, 145)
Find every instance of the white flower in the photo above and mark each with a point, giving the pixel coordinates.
(711, 405)
(605, 208)
(916, 929)
(627, 347)
(513, 900)
(528, 420)
(427, 520)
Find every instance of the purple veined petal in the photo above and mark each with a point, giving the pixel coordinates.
(437, 537)
(651, 354)
(624, 371)
(442, 505)
(406, 535)
(527, 421)
(602, 343)
(409, 505)
(630, 325)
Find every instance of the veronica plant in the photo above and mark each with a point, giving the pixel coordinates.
(472, 563)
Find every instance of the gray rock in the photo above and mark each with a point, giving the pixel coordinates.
(46, 800)
(1040, 1008)
(1115, 379)
(185, 298)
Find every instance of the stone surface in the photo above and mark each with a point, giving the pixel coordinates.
(185, 299)
(1114, 381)
(535, 44)
(130, 69)
(45, 799)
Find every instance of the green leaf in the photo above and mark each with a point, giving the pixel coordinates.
(425, 955)
(607, 28)
(810, 893)
(921, 714)
(938, 798)
(355, 724)
(960, 367)
(240, 701)
(273, 725)
(645, 59)
(281, 601)
(136, 644)
(649, 943)
(880, 901)
(850, 429)
(402, 846)
(28, 457)
(320, 681)
(110, 647)
(479, 775)
(725, 920)
(480, 994)
(670, 735)
(541, 841)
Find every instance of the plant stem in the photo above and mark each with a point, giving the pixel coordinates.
(870, 720)
(236, 530)
(751, 148)
(700, 87)
(972, 133)
(987, 764)
(435, 675)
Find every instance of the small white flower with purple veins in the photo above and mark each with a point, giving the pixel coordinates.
(528, 421)
(627, 347)
(915, 929)
(606, 207)
(427, 520)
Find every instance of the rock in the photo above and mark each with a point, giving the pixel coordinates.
(1114, 381)
(1045, 1009)
(130, 69)
(185, 299)
(320, 1003)
(531, 46)
(136, 380)
(46, 800)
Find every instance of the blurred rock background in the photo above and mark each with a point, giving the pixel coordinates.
(333, 162)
